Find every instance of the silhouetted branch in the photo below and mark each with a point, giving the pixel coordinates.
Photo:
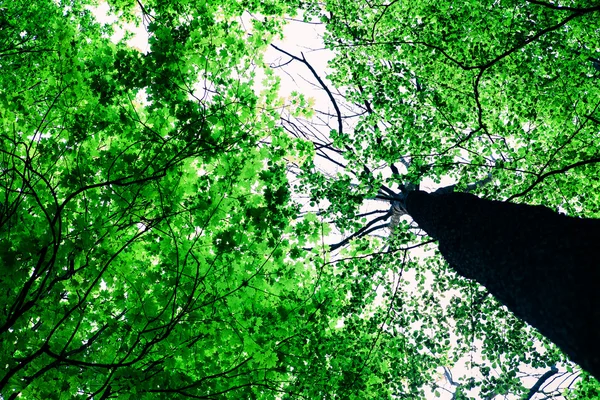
(534, 389)
(555, 172)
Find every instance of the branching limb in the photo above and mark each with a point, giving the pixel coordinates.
(535, 388)
(321, 82)
(365, 230)
(555, 172)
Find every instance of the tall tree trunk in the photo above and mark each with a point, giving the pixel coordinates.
(543, 266)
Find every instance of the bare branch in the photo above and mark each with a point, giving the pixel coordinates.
(321, 82)
(534, 389)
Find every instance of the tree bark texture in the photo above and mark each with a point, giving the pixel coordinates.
(543, 266)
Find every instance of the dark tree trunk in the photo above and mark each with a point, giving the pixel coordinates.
(543, 266)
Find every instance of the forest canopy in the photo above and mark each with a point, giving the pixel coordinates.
(172, 227)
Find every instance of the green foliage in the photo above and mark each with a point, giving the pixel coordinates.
(511, 92)
(151, 245)
(504, 91)
(586, 388)
(145, 219)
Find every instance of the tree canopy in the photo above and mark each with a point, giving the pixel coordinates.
(170, 227)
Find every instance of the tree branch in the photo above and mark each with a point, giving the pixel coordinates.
(555, 172)
(321, 82)
(534, 389)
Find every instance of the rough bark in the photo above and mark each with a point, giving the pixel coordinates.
(543, 266)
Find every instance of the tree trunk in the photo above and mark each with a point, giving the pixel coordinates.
(543, 266)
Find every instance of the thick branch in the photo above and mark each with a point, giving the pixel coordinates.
(535, 388)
